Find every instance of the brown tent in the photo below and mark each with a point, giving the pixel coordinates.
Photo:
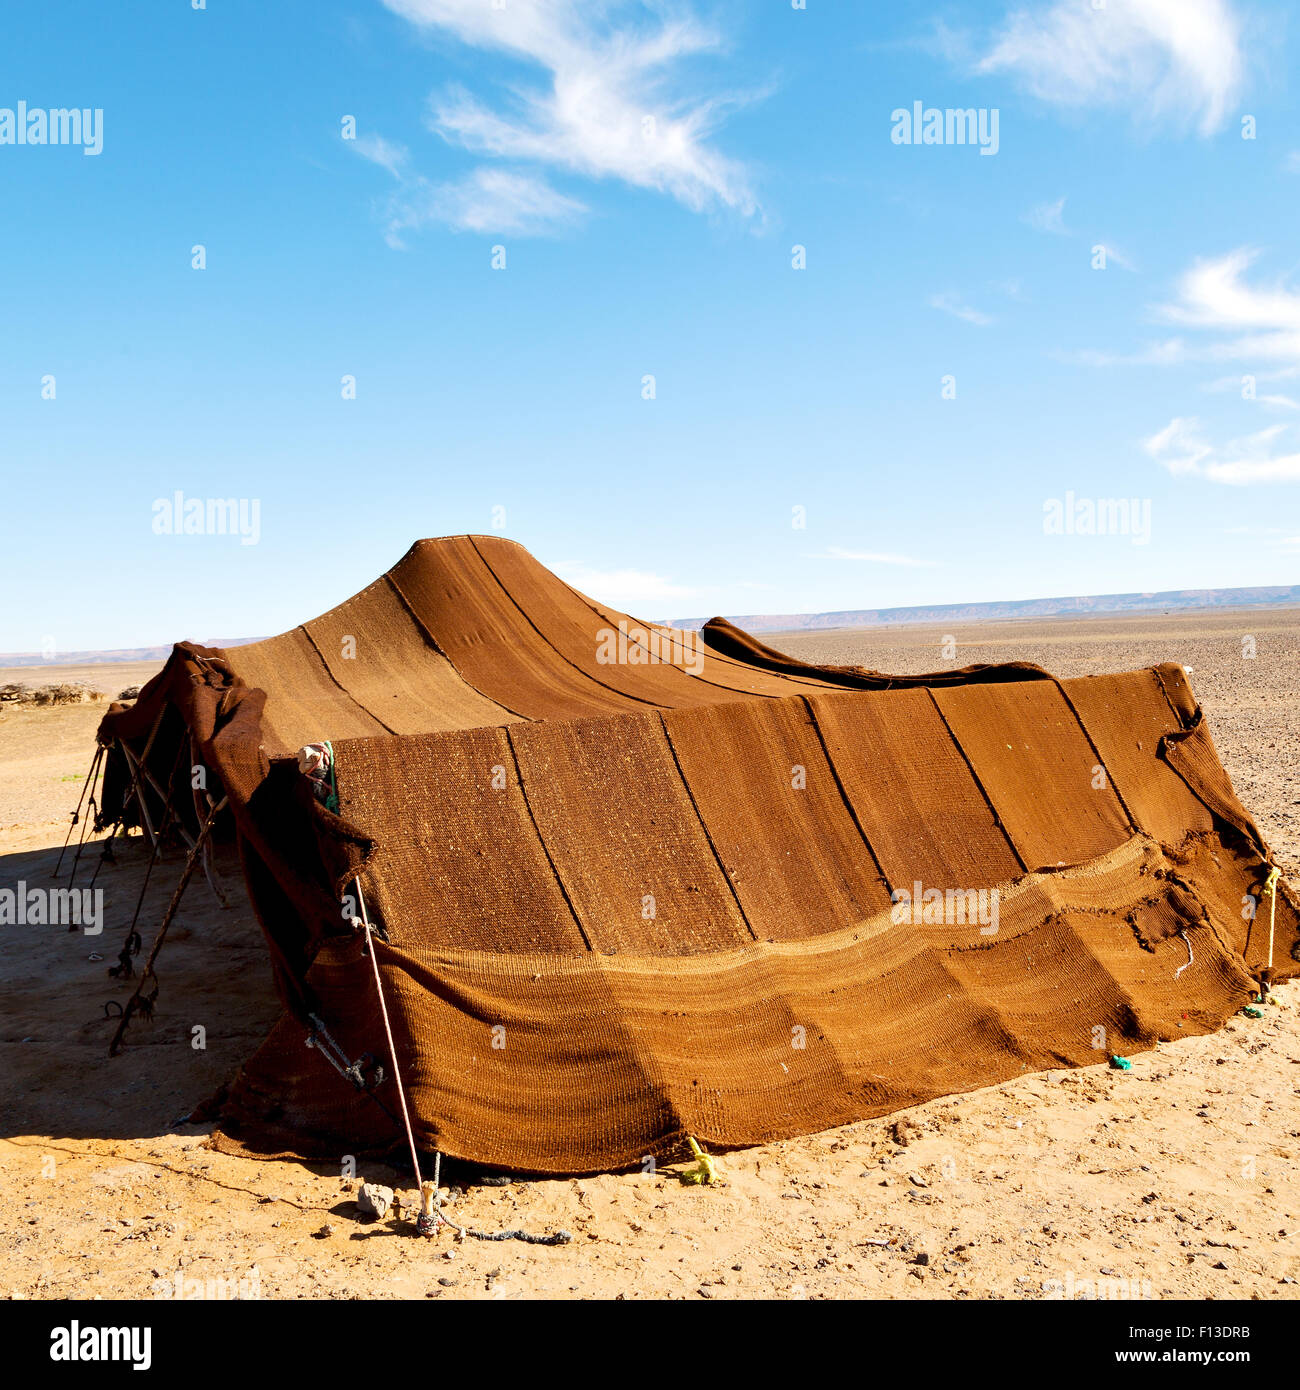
(626, 886)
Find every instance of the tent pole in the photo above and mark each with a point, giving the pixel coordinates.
(209, 861)
(134, 788)
(123, 967)
(76, 815)
(89, 822)
(208, 870)
(177, 894)
(139, 770)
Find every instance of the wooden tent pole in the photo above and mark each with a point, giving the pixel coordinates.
(209, 861)
(76, 815)
(177, 894)
(134, 788)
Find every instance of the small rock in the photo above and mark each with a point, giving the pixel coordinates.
(905, 1132)
(374, 1199)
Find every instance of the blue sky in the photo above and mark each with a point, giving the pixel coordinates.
(512, 399)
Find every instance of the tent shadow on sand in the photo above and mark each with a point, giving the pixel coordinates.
(56, 1077)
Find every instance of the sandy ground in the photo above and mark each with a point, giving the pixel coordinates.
(1179, 1178)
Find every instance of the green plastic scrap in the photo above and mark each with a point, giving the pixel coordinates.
(1251, 1012)
(1121, 1063)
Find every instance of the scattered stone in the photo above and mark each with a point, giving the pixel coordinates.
(905, 1132)
(375, 1199)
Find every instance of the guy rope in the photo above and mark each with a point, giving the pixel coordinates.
(431, 1215)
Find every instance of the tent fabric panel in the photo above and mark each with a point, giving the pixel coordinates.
(457, 859)
(1127, 716)
(1034, 761)
(601, 1060)
(926, 817)
(475, 622)
(308, 704)
(776, 816)
(658, 671)
(625, 838)
(373, 648)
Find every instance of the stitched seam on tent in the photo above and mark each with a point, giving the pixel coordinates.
(1182, 724)
(704, 680)
(541, 839)
(433, 642)
(716, 685)
(1101, 762)
(722, 868)
(719, 657)
(321, 657)
(639, 699)
(844, 795)
(975, 777)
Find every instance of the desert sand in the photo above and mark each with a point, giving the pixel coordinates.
(1179, 1178)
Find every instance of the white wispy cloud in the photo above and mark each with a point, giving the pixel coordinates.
(874, 557)
(952, 304)
(1048, 217)
(382, 152)
(1182, 448)
(1178, 60)
(608, 102)
(1234, 318)
(1214, 294)
(497, 202)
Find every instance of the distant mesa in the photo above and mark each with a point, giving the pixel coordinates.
(1086, 606)
(116, 655)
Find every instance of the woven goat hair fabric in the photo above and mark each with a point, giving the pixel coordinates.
(634, 883)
